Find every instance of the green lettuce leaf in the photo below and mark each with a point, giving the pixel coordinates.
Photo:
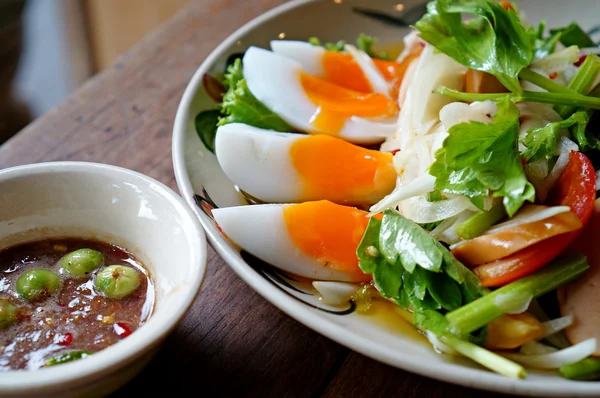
(479, 159)
(541, 142)
(241, 106)
(494, 41)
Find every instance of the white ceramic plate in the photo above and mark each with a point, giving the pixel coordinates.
(204, 185)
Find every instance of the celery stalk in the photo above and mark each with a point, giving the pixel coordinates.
(482, 311)
(586, 369)
(582, 82)
(545, 83)
(485, 357)
(577, 100)
(479, 222)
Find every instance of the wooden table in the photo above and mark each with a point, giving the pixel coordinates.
(232, 341)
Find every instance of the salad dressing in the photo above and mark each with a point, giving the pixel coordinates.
(392, 318)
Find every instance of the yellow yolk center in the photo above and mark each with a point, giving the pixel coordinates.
(337, 103)
(341, 69)
(329, 233)
(342, 172)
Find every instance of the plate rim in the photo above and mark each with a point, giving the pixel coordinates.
(447, 372)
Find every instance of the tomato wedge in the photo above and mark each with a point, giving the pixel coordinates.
(497, 245)
(575, 188)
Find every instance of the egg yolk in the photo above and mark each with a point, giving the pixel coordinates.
(342, 172)
(341, 69)
(337, 103)
(329, 233)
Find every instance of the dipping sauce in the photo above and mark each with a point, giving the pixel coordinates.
(59, 303)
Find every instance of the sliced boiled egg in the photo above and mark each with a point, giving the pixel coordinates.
(316, 240)
(284, 167)
(315, 105)
(336, 67)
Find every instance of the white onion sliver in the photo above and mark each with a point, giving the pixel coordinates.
(565, 147)
(528, 214)
(538, 110)
(556, 359)
(438, 345)
(366, 64)
(557, 61)
(383, 128)
(449, 236)
(556, 325)
(420, 186)
(421, 211)
(513, 303)
(335, 293)
(535, 348)
(444, 225)
(558, 339)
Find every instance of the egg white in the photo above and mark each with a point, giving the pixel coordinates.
(275, 81)
(310, 57)
(261, 230)
(258, 161)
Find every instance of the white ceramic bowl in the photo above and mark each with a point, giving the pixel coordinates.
(124, 208)
(204, 185)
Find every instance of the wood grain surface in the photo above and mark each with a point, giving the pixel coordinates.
(232, 342)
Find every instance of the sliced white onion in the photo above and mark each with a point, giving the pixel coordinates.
(385, 127)
(421, 108)
(438, 345)
(535, 348)
(443, 226)
(410, 41)
(528, 214)
(538, 110)
(336, 293)
(537, 169)
(449, 236)
(366, 64)
(420, 186)
(460, 112)
(557, 61)
(557, 339)
(565, 146)
(556, 325)
(421, 211)
(406, 82)
(513, 303)
(556, 359)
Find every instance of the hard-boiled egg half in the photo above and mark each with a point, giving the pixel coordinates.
(314, 105)
(284, 167)
(342, 68)
(316, 240)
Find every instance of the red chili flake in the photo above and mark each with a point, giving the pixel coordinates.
(581, 60)
(121, 329)
(553, 75)
(395, 151)
(523, 162)
(66, 339)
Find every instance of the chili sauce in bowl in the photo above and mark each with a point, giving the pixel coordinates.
(65, 299)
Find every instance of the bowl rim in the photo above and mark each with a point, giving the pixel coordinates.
(448, 372)
(156, 328)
